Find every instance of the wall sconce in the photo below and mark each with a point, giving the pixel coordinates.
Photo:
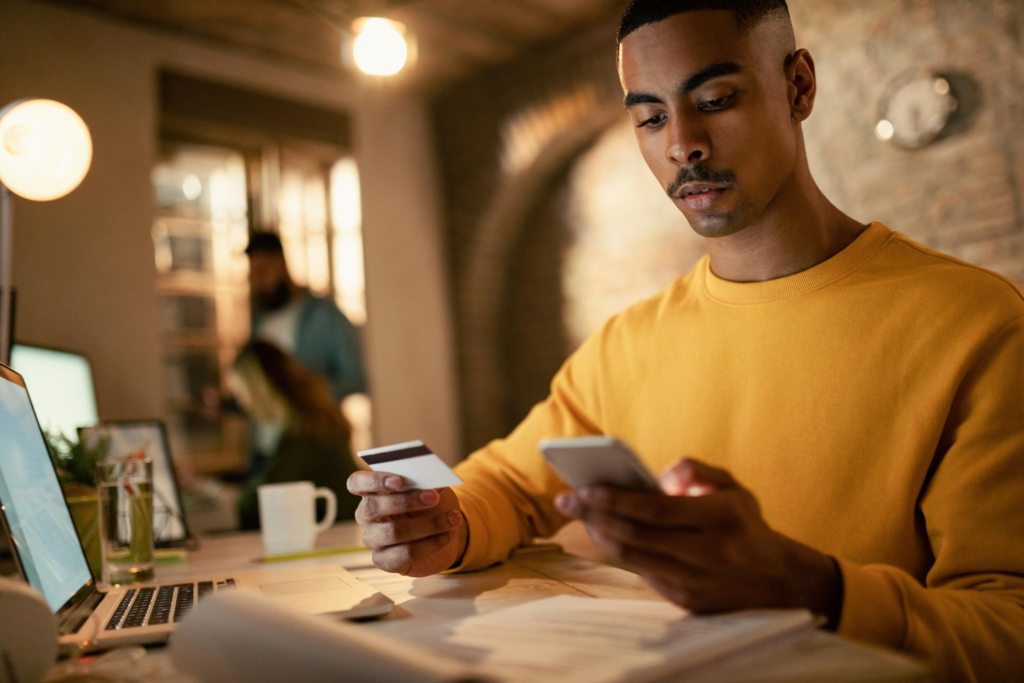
(45, 152)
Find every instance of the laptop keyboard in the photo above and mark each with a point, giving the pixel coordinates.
(154, 605)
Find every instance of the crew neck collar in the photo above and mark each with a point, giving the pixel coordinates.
(825, 273)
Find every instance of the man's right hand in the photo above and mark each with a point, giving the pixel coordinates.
(413, 533)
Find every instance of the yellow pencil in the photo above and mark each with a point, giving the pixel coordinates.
(312, 553)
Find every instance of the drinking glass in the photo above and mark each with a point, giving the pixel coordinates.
(126, 519)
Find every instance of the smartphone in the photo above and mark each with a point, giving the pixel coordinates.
(586, 460)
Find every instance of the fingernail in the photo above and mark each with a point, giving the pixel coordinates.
(428, 497)
(672, 484)
(567, 503)
(455, 518)
(591, 494)
(394, 483)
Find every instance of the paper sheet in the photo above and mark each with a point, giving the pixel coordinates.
(564, 639)
(568, 639)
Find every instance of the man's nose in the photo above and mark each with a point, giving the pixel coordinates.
(688, 141)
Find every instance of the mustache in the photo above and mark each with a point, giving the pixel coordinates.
(699, 174)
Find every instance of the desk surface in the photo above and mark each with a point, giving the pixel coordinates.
(427, 607)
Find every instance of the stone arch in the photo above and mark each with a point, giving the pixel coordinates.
(484, 277)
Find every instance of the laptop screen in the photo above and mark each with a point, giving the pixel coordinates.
(33, 503)
(62, 387)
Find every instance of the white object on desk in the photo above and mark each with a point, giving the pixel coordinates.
(414, 462)
(288, 516)
(241, 638)
(565, 639)
(28, 634)
(572, 639)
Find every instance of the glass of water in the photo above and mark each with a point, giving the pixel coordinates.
(126, 519)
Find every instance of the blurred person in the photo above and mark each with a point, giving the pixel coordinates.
(836, 410)
(299, 433)
(311, 328)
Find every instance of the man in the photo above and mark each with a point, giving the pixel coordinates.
(848, 403)
(308, 327)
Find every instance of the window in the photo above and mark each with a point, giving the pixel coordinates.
(234, 162)
(200, 230)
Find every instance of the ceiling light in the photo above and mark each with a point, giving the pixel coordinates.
(380, 48)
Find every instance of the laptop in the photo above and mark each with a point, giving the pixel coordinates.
(37, 523)
(63, 393)
(170, 527)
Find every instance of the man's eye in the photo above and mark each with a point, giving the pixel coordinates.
(653, 121)
(712, 105)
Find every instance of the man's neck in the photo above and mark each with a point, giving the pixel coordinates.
(799, 230)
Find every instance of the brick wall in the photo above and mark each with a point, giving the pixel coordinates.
(555, 223)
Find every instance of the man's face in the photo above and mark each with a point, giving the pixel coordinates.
(710, 106)
(268, 280)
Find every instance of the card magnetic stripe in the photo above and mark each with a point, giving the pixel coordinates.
(391, 456)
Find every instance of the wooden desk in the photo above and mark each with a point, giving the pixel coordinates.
(427, 608)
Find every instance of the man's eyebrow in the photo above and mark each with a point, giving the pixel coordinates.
(634, 98)
(707, 73)
(689, 85)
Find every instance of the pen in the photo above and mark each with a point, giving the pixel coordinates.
(311, 553)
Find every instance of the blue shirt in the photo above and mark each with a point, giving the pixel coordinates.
(327, 343)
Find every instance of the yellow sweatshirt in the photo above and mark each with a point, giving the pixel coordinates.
(874, 404)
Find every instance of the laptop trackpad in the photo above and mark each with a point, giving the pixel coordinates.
(286, 588)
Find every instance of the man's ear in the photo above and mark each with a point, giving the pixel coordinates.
(802, 84)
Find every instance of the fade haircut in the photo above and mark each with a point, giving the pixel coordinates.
(748, 12)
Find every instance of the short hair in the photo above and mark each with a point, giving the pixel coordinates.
(264, 243)
(748, 12)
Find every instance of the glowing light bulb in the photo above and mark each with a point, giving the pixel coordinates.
(46, 149)
(884, 130)
(191, 187)
(380, 48)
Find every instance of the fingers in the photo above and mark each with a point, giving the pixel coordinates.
(365, 483)
(377, 507)
(616, 534)
(380, 535)
(689, 477)
(402, 559)
(654, 509)
(644, 562)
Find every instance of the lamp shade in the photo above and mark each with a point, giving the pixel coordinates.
(45, 149)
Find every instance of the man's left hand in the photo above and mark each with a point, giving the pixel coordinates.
(703, 544)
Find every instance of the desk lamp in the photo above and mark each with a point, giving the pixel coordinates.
(45, 151)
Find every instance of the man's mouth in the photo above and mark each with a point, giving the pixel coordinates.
(700, 196)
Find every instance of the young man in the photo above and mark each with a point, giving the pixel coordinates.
(836, 410)
(309, 327)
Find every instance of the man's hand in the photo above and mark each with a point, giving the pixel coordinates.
(413, 533)
(704, 545)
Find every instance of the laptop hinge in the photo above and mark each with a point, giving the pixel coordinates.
(71, 621)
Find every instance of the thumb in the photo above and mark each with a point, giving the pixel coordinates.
(689, 477)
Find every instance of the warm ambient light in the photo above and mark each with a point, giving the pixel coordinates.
(45, 149)
(380, 48)
(884, 130)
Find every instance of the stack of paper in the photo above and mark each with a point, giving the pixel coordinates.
(562, 639)
(570, 638)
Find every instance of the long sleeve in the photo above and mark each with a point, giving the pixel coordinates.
(968, 618)
(509, 487)
(874, 405)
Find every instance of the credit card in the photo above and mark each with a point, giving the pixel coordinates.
(414, 462)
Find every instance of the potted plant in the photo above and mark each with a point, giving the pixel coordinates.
(76, 463)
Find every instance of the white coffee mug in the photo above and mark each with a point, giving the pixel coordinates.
(288, 516)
